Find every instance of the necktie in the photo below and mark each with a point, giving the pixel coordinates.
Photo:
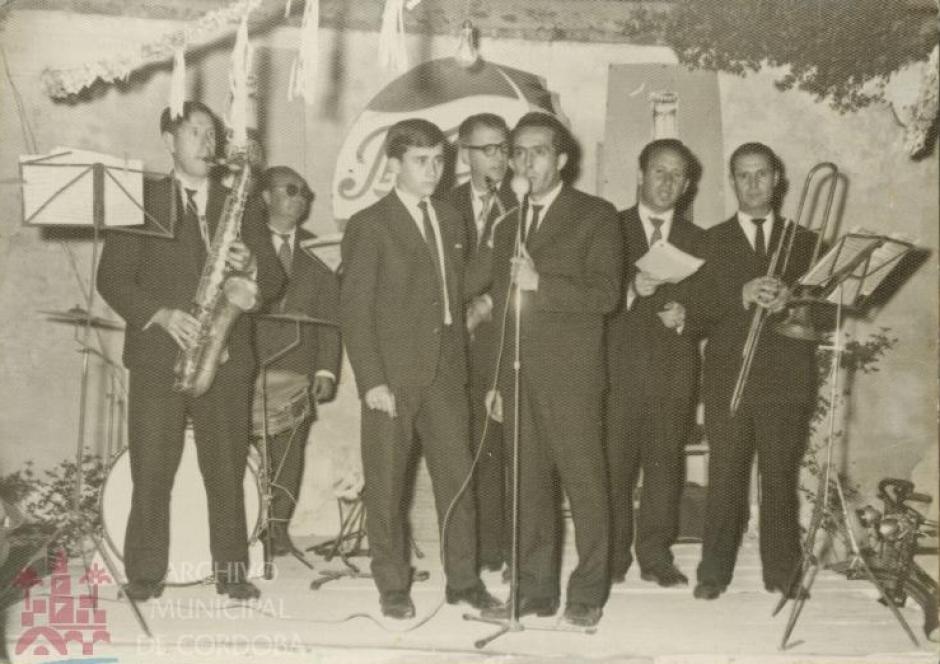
(657, 230)
(760, 246)
(285, 252)
(533, 225)
(486, 218)
(193, 209)
(431, 240)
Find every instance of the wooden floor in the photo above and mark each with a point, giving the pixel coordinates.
(842, 622)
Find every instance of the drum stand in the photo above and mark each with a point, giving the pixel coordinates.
(352, 528)
(266, 481)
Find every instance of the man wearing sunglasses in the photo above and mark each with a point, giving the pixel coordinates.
(313, 364)
(483, 146)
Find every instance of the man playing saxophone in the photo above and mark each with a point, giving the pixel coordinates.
(151, 282)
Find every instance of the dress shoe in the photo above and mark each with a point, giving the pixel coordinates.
(492, 566)
(708, 590)
(238, 589)
(528, 606)
(397, 604)
(580, 614)
(476, 596)
(141, 591)
(666, 574)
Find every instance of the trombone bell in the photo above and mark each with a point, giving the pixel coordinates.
(799, 325)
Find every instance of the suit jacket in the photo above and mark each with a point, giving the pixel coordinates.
(138, 275)
(389, 295)
(578, 255)
(313, 290)
(482, 345)
(783, 369)
(646, 358)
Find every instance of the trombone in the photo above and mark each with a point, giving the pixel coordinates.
(823, 178)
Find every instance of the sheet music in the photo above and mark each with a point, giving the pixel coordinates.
(58, 188)
(868, 274)
(666, 262)
(839, 257)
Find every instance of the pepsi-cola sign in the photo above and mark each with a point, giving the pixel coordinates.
(439, 91)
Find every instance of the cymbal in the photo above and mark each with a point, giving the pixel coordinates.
(297, 318)
(78, 316)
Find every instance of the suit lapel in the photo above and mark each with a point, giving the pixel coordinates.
(553, 222)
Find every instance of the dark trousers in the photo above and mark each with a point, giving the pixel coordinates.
(648, 434)
(778, 432)
(438, 414)
(156, 423)
(285, 471)
(490, 473)
(560, 439)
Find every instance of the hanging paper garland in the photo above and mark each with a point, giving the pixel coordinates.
(241, 68)
(61, 83)
(393, 51)
(178, 83)
(304, 70)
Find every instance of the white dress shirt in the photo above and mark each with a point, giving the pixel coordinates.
(750, 229)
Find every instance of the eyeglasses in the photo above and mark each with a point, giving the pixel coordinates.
(292, 190)
(490, 149)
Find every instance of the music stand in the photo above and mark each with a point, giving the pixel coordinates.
(89, 183)
(859, 261)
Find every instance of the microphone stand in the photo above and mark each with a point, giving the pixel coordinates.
(512, 623)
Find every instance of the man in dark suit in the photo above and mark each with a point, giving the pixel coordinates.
(774, 412)
(150, 282)
(401, 302)
(568, 269)
(653, 374)
(483, 145)
(311, 365)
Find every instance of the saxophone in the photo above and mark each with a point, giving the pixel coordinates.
(222, 294)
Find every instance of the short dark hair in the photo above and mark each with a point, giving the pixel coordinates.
(755, 148)
(268, 176)
(412, 133)
(488, 120)
(170, 123)
(673, 144)
(562, 140)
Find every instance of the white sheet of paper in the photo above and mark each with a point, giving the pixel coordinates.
(62, 194)
(667, 262)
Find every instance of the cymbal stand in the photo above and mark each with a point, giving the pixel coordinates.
(804, 576)
(512, 623)
(267, 482)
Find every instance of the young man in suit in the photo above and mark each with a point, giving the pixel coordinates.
(653, 373)
(312, 290)
(568, 270)
(401, 302)
(150, 282)
(483, 146)
(773, 416)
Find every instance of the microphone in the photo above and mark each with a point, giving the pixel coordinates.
(520, 187)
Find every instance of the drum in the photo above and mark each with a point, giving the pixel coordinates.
(288, 402)
(190, 559)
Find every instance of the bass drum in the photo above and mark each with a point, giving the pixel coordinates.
(190, 559)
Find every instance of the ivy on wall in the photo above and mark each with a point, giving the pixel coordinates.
(833, 49)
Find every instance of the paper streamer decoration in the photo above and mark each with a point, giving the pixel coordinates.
(304, 70)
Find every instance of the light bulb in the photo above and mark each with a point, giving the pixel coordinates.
(467, 54)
